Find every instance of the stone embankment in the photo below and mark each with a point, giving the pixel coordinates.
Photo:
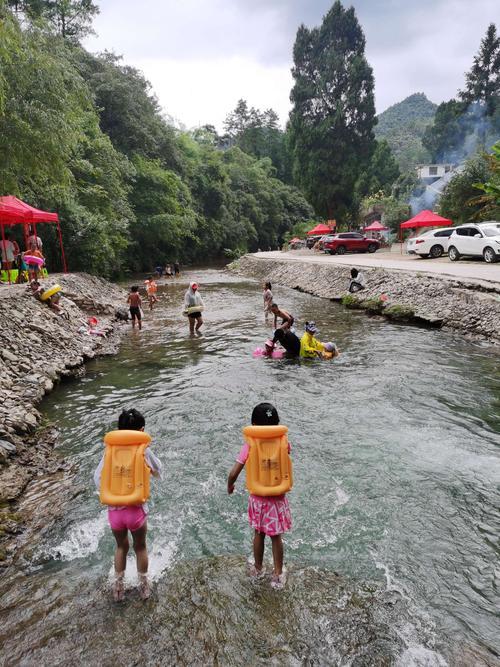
(39, 348)
(469, 306)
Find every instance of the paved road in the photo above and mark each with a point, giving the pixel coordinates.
(476, 270)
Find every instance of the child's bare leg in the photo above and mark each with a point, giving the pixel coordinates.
(277, 544)
(258, 549)
(140, 322)
(141, 553)
(199, 322)
(122, 547)
(191, 325)
(133, 321)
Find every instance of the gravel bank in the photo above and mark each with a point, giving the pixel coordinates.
(39, 348)
(465, 305)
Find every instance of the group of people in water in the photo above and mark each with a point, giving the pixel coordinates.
(265, 453)
(308, 346)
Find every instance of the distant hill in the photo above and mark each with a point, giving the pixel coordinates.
(402, 125)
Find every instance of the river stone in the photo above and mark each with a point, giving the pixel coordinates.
(8, 356)
(7, 446)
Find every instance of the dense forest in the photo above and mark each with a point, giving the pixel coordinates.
(83, 134)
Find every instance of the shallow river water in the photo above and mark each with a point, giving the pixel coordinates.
(393, 556)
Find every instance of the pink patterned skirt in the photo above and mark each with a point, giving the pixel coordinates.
(269, 514)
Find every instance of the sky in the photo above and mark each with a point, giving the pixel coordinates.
(202, 56)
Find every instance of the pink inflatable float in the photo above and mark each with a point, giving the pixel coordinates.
(30, 259)
(261, 352)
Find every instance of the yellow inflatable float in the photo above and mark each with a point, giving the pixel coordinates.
(125, 475)
(50, 292)
(268, 467)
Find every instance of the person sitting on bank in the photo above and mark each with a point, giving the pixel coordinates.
(286, 319)
(310, 347)
(357, 282)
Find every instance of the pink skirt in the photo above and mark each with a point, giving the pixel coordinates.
(269, 514)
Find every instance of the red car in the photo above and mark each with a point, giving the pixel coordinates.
(350, 242)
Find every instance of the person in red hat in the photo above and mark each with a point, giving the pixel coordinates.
(193, 307)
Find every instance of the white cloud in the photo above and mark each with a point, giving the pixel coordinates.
(204, 92)
(201, 56)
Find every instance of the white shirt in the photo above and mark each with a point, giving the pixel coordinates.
(7, 250)
(153, 463)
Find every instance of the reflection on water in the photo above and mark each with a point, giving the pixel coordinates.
(395, 448)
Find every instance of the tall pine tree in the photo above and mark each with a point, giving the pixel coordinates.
(482, 83)
(333, 115)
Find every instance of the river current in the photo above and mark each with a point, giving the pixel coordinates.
(393, 555)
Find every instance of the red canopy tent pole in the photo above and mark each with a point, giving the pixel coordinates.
(4, 244)
(65, 268)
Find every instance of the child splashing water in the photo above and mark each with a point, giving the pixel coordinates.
(133, 518)
(267, 514)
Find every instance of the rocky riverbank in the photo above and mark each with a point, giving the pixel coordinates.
(469, 306)
(38, 349)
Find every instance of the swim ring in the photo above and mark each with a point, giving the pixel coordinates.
(31, 259)
(276, 354)
(50, 292)
(193, 309)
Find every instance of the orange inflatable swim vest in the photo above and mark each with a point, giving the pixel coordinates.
(125, 475)
(268, 467)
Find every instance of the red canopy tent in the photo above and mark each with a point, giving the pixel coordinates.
(423, 219)
(319, 229)
(426, 219)
(13, 211)
(376, 227)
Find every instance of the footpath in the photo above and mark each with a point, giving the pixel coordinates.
(396, 288)
(38, 349)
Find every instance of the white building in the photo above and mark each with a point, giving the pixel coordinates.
(427, 172)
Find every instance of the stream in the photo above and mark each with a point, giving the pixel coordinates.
(393, 555)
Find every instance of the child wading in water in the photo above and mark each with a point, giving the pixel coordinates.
(151, 289)
(268, 515)
(135, 301)
(132, 517)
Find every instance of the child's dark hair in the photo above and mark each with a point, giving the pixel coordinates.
(274, 305)
(354, 273)
(131, 420)
(134, 288)
(268, 285)
(265, 414)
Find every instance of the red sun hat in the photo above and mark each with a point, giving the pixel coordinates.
(194, 286)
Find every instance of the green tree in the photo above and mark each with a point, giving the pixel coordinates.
(445, 138)
(333, 115)
(381, 173)
(459, 200)
(482, 82)
(258, 133)
(72, 19)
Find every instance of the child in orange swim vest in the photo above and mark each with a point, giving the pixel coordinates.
(151, 289)
(132, 518)
(268, 515)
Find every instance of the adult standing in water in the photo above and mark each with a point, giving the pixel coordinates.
(193, 307)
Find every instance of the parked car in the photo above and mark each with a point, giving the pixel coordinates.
(432, 243)
(339, 244)
(475, 240)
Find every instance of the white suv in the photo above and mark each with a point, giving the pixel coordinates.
(432, 243)
(475, 240)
